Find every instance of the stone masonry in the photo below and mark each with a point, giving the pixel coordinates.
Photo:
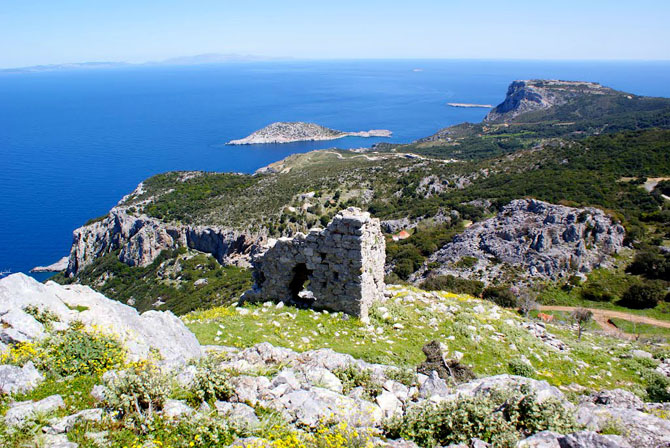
(339, 268)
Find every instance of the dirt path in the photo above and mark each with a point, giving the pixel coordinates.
(603, 319)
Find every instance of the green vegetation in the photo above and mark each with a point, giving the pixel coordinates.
(424, 317)
(167, 283)
(352, 376)
(501, 418)
(71, 352)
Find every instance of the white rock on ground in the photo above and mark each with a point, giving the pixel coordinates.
(159, 330)
(22, 410)
(15, 379)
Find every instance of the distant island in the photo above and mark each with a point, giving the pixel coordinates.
(289, 132)
(468, 105)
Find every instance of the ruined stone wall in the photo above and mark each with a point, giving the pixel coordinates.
(339, 268)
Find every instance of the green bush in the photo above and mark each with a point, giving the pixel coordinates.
(140, 390)
(500, 418)
(658, 388)
(453, 284)
(353, 376)
(210, 383)
(518, 367)
(406, 376)
(78, 352)
(466, 262)
(501, 296)
(643, 295)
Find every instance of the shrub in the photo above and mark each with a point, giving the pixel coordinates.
(210, 383)
(500, 418)
(353, 376)
(45, 317)
(651, 264)
(453, 284)
(500, 295)
(643, 295)
(658, 388)
(140, 390)
(466, 262)
(406, 376)
(72, 352)
(518, 367)
(581, 316)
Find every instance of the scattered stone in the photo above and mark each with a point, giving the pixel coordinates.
(581, 439)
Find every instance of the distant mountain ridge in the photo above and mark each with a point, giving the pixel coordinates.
(200, 59)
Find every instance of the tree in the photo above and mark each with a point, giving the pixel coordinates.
(581, 316)
(526, 302)
(643, 295)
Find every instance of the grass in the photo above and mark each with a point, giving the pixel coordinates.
(400, 327)
(641, 329)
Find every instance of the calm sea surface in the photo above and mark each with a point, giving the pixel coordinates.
(72, 143)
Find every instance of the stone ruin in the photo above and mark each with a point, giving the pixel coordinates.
(339, 268)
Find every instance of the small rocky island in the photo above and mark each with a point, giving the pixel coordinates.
(289, 132)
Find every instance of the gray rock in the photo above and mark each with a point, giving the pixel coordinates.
(639, 429)
(238, 413)
(15, 379)
(434, 387)
(140, 334)
(308, 407)
(581, 439)
(57, 441)
(23, 410)
(26, 327)
(65, 424)
(176, 409)
(641, 354)
(142, 238)
(389, 404)
(483, 385)
(548, 241)
(617, 398)
(249, 389)
(99, 392)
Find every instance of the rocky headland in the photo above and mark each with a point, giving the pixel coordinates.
(536, 95)
(289, 132)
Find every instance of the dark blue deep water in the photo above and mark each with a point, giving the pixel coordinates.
(72, 143)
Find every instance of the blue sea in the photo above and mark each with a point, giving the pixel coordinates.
(74, 142)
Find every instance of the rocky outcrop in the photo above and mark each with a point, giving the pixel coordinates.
(141, 238)
(535, 95)
(339, 268)
(545, 240)
(140, 333)
(58, 266)
(288, 132)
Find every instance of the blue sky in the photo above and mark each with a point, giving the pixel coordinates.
(56, 31)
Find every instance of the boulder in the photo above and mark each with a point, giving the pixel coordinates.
(483, 385)
(581, 439)
(140, 334)
(238, 413)
(65, 424)
(23, 410)
(15, 379)
(639, 429)
(176, 409)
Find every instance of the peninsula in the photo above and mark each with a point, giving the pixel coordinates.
(469, 105)
(289, 132)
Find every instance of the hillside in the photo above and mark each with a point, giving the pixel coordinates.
(230, 215)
